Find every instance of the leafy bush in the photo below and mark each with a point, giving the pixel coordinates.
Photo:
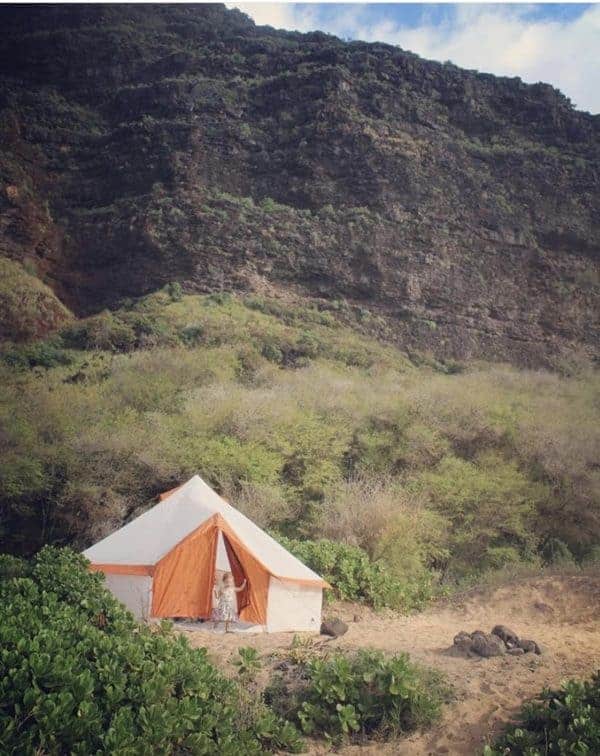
(174, 291)
(350, 572)
(192, 334)
(12, 566)
(79, 675)
(149, 328)
(249, 662)
(272, 352)
(376, 513)
(556, 552)
(490, 505)
(269, 205)
(46, 354)
(367, 694)
(561, 722)
(103, 331)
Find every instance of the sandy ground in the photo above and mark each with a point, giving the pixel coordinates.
(561, 613)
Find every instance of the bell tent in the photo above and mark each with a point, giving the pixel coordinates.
(164, 563)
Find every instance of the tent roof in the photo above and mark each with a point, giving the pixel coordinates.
(152, 535)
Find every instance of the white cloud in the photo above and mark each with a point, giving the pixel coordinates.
(281, 15)
(506, 40)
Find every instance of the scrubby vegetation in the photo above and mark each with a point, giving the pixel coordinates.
(355, 577)
(28, 308)
(565, 721)
(78, 675)
(362, 695)
(424, 472)
(367, 694)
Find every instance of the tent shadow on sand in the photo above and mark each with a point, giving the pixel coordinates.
(163, 564)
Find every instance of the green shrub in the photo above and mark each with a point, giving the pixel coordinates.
(174, 291)
(249, 662)
(219, 298)
(103, 331)
(12, 566)
(560, 722)
(192, 335)
(249, 364)
(369, 695)
(46, 354)
(592, 556)
(272, 352)
(308, 345)
(490, 505)
(554, 551)
(149, 328)
(78, 675)
(349, 571)
(270, 206)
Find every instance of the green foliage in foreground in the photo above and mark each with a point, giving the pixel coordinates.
(561, 722)
(248, 663)
(78, 675)
(350, 572)
(365, 695)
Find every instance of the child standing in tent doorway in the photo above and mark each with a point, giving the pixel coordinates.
(226, 601)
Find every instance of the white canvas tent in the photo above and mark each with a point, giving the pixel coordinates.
(163, 563)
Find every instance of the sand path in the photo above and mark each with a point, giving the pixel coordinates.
(561, 613)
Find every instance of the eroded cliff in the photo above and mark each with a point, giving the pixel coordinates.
(147, 144)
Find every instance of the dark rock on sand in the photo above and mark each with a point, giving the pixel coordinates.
(334, 627)
(506, 634)
(486, 644)
(530, 647)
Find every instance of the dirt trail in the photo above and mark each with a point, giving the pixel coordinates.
(562, 613)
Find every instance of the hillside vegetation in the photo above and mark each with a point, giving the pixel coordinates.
(28, 308)
(435, 471)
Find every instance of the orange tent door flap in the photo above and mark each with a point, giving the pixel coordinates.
(184, 578)
(252, 602)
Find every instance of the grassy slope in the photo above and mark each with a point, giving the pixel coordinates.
(28, 308)
(310, 425)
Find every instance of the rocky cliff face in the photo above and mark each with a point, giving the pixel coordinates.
(149, 144)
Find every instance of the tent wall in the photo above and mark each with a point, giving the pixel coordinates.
(135, 591)
(293, 607)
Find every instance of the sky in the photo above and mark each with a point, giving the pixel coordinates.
(558, 43)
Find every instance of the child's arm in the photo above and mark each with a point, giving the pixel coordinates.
(241, 588)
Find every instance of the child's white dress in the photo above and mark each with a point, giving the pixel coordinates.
(226, 608)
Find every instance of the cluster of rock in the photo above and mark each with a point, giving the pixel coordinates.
(500, 641)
